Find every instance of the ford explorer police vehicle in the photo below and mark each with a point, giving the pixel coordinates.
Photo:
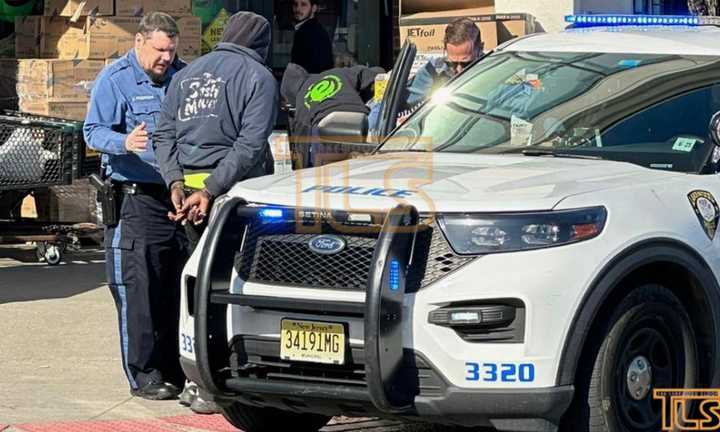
(535, 248)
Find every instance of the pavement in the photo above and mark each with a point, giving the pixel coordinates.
(60, 367)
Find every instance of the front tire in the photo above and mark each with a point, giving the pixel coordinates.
(254, 419)
(647, 343)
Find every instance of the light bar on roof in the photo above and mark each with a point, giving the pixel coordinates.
(638, 20)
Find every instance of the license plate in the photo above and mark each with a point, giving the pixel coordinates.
(309, 341)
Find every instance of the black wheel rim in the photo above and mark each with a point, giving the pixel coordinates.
(651, 338)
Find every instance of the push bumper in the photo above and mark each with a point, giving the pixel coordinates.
(384, 393)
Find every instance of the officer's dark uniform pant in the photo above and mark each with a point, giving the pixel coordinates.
(145, 254)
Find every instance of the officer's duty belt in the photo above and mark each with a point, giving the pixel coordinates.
(152, 189)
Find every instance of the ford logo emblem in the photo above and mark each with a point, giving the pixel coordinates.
(326, 244)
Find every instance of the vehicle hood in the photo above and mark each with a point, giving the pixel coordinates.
(446, 182)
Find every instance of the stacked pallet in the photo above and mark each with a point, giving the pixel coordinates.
(60, 53)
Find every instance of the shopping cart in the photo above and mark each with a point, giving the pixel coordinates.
(37, 152)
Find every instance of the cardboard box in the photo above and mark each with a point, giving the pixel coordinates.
(407, 7)
(8, 81)
(190, 38)
(424, 22)
(56, 80)
(27, 36)
(61, 38)
(77, 8)
(94, 38)
(510, 26)
(107, 37)
(176, 8)
(427, 29)
(65, 109)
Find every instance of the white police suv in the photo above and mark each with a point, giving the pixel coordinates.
(533, 249)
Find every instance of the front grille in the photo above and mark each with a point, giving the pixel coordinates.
(275, 253)
(288, 259)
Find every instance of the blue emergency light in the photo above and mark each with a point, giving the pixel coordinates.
(635, 20)
(394, 277)
(271, 213)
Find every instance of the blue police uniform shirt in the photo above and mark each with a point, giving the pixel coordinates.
(122, 97)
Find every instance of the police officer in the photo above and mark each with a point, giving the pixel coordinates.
(144, 250)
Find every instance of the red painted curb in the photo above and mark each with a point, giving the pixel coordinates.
(100, 426)
(196, 423)
(215, 423)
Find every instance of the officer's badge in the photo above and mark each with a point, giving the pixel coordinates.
(706, 209)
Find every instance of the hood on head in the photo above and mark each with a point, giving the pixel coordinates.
(293, 80)
(249, 30)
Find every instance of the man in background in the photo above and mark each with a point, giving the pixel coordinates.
(312, 47)
(144, 250)
(463, 45)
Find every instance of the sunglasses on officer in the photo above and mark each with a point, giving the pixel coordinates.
(455, 64)
(459, 56)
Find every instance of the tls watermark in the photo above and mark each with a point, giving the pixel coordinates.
(689, 409)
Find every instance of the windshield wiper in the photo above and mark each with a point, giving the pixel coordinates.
(411, 150)
(537, 152)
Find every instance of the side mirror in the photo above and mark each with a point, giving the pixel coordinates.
(342, 127)
(715, 128)
(714, 133)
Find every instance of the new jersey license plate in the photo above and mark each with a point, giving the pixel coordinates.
(310, 341)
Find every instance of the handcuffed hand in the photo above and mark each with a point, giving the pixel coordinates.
(177, 196)
(197, 206)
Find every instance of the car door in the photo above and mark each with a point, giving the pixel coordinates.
(395, 92)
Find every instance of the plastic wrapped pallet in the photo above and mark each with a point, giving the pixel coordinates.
(23, 159)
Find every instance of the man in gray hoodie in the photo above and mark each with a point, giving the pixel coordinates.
(213, 132)
(216, 119)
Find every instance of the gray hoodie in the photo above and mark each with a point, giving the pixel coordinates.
(218, 113)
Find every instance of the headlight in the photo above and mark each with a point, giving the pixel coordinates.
(471, 234)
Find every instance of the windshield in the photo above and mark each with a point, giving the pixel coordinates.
(648, 109)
